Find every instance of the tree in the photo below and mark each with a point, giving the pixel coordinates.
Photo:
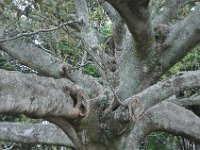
(128, 102)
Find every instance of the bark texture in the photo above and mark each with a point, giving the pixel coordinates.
(128, 102)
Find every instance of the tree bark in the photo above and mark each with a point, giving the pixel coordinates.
(97, 114)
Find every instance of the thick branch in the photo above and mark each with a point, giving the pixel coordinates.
(91, 43)
(67, 128)
(47, 64)
(34, 134)
(111, 12)
(160, 91)
(193, 100)
(172, 45)
(183, 37)
(89, 35)
(171, 10)
(137, 17)
(39, 96)
(165, 117)
(164, 89)
(34, 57)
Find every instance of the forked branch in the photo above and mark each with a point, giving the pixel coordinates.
(163, 90)
(164, 117)
(136, 14)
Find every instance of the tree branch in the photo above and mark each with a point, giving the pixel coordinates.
(193, 100)
(164, 89)
(164, 117)
(40, 96)
(160, 91)
(91, 42)
(179, 39)
(137, 17)
(110, 11)
(89, 35)
(34, 134)
(47, 64)
(68, 129)
(183, 37)
(34, 57)
(171, 9)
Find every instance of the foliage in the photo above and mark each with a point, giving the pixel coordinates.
(184, 11)
(91, 70)
(70, 52)
(190, 62)
(11, 118)
(13, 65)
(161, 141)
(106, 30)
(99, 18)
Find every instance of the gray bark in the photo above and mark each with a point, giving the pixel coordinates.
(97, 116)
(37, 96)
(34, 134)
(164, 117)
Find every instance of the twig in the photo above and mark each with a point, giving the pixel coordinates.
(82, 65)
(92, 55)
(46, 50)
(10, 147)
(38, 31)
(84, 58)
